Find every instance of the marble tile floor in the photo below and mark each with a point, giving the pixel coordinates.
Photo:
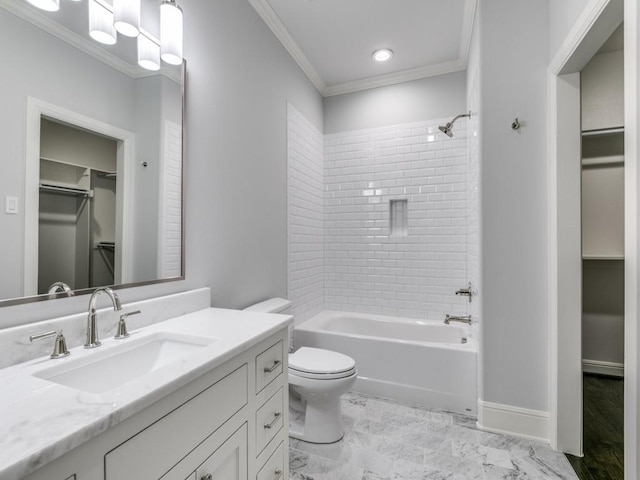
(388, 440)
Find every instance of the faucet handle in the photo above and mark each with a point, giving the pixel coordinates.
(467, 292)
(122, 325)
(59, 346)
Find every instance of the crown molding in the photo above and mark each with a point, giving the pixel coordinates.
(42, 21)
(280, 31)
(272, 20)
(468, 20)
(394, 78)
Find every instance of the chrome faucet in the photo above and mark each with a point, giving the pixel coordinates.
(467, 292)
(454, 318)
(92, 330)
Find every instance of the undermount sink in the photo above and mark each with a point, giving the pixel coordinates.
(104, 370)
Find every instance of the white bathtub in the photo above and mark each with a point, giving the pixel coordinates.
(423, 362)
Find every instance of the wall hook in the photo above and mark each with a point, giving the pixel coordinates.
(515, 125)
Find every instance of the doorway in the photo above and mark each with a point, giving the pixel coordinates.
(38, 110)
(602, 225)
(597, 22)
(77, 208)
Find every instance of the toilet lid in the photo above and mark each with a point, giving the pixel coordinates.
(319, 361)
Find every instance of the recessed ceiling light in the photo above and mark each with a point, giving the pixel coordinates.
(382, 55)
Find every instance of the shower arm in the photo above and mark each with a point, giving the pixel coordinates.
(460, 116)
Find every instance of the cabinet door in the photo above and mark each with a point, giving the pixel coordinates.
(229, 462)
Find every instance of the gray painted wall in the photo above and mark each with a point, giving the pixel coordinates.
(419, 100)
(513, 199)
(238, 83)
(562, 16)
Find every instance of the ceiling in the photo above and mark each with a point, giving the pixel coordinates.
(332, 40)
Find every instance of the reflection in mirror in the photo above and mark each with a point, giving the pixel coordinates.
(92, 155)
(77, 214)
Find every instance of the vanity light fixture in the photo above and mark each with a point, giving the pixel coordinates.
(106, 20)
(148, 53)
(171, 32)
(48, 5)
(101, 27)
(127, 17)
(382, 55)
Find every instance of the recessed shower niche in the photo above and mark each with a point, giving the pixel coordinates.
(399, 217)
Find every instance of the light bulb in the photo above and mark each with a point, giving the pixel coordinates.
(171, 32)
(148, 53)
(127, 17)
(101, 27)
(382, 55)
(48, 5)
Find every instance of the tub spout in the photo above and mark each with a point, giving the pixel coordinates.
(454, 318)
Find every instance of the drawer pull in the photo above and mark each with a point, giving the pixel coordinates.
(276, 416)
(272, 368)
(278, 473)
(208, 476)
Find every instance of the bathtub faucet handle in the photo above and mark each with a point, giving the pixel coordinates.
(455, 318)
(467, 292)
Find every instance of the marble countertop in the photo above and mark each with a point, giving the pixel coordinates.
(41, 420)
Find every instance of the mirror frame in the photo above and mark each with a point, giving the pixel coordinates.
(85, 291)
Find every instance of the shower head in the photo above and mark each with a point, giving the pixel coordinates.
(446, 129)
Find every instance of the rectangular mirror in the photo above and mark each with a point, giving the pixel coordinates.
(92, 159)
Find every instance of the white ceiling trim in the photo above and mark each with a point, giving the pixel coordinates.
(40, 20)
(272, 20)
(280, 31)
(467, 30)
(394, 78)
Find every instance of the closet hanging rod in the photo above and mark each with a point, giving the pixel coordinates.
(66, 190)
(111, 175)
(106, 246)
(602, 131)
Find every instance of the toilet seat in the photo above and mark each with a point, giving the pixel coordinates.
(320, 364)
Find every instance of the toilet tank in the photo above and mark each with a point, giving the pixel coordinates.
(273, 305)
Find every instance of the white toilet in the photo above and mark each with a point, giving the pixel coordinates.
(317, 379)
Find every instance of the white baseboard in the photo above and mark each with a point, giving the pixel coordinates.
(603, 368)
(522, 422)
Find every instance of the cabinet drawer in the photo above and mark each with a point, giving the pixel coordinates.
(268, 365)
(229, 462)
(269, 420)
(273, 469)
(156, 449)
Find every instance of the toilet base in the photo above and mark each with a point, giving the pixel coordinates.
(320, 423)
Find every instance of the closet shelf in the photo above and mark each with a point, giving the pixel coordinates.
(603, 257)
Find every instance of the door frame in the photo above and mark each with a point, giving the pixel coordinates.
(597, 21)
(36, 109)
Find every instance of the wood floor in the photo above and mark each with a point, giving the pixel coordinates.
(603, 430)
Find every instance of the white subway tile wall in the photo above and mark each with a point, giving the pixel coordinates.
(170, 231)
(306, 216)
(342, 254)
(366, 268)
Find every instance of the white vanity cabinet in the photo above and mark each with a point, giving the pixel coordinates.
(228, 424)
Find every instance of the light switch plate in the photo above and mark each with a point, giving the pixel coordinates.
(11, 205)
